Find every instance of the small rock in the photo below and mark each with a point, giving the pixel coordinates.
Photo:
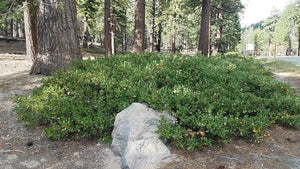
(30, 164)
(79, 163)
(291, 140)
(29, 143)
(12, 157)
(76, 154)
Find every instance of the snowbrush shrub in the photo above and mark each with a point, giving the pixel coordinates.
(212, 98)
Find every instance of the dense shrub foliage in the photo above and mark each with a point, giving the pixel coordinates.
(212, 99)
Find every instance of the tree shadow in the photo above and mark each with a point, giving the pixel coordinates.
(20, 83)
(17, 47)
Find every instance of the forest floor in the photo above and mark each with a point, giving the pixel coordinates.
(22, 148)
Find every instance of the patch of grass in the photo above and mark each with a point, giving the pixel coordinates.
(93, 50)
(212, 99)
(280, 66)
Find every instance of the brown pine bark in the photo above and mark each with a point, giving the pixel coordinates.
(107, 36)
(11, 27)
(58, 42)
(139, 26)
(152, 31)
(30, 30)
(299, 40)
(204, 39)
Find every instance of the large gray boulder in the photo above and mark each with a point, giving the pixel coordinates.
(135, 142)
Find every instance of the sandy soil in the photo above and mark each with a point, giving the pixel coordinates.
(22, 148)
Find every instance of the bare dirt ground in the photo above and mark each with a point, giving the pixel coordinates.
(22, 148)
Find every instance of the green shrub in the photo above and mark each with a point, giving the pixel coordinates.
(212, 98)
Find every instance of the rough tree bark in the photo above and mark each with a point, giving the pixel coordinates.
(139, 26)
(11, 27)
(204, 39)
(299, 40)
(107, 36)
(58, 42)
(152, 31)
(30, 30)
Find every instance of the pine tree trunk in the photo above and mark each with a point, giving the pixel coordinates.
(173, 45)
(173, 48)
(21, 29)
(145, 39)
(86, 34)
(289, 50)
(5, 26)
(100, 39)
(107, 36)
(152, 31)
(219, 31)
(204, 40)
(124, 44)
(113, 31)
(139, 26)
(299, 40)
(270, 47)
(15, 28)
(11, 27)
(30, 30)
(58, 42)
(158, 45)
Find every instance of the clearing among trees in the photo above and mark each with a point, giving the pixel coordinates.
(275, 149)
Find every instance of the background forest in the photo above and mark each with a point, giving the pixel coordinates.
(173, 25)
(280, 30)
